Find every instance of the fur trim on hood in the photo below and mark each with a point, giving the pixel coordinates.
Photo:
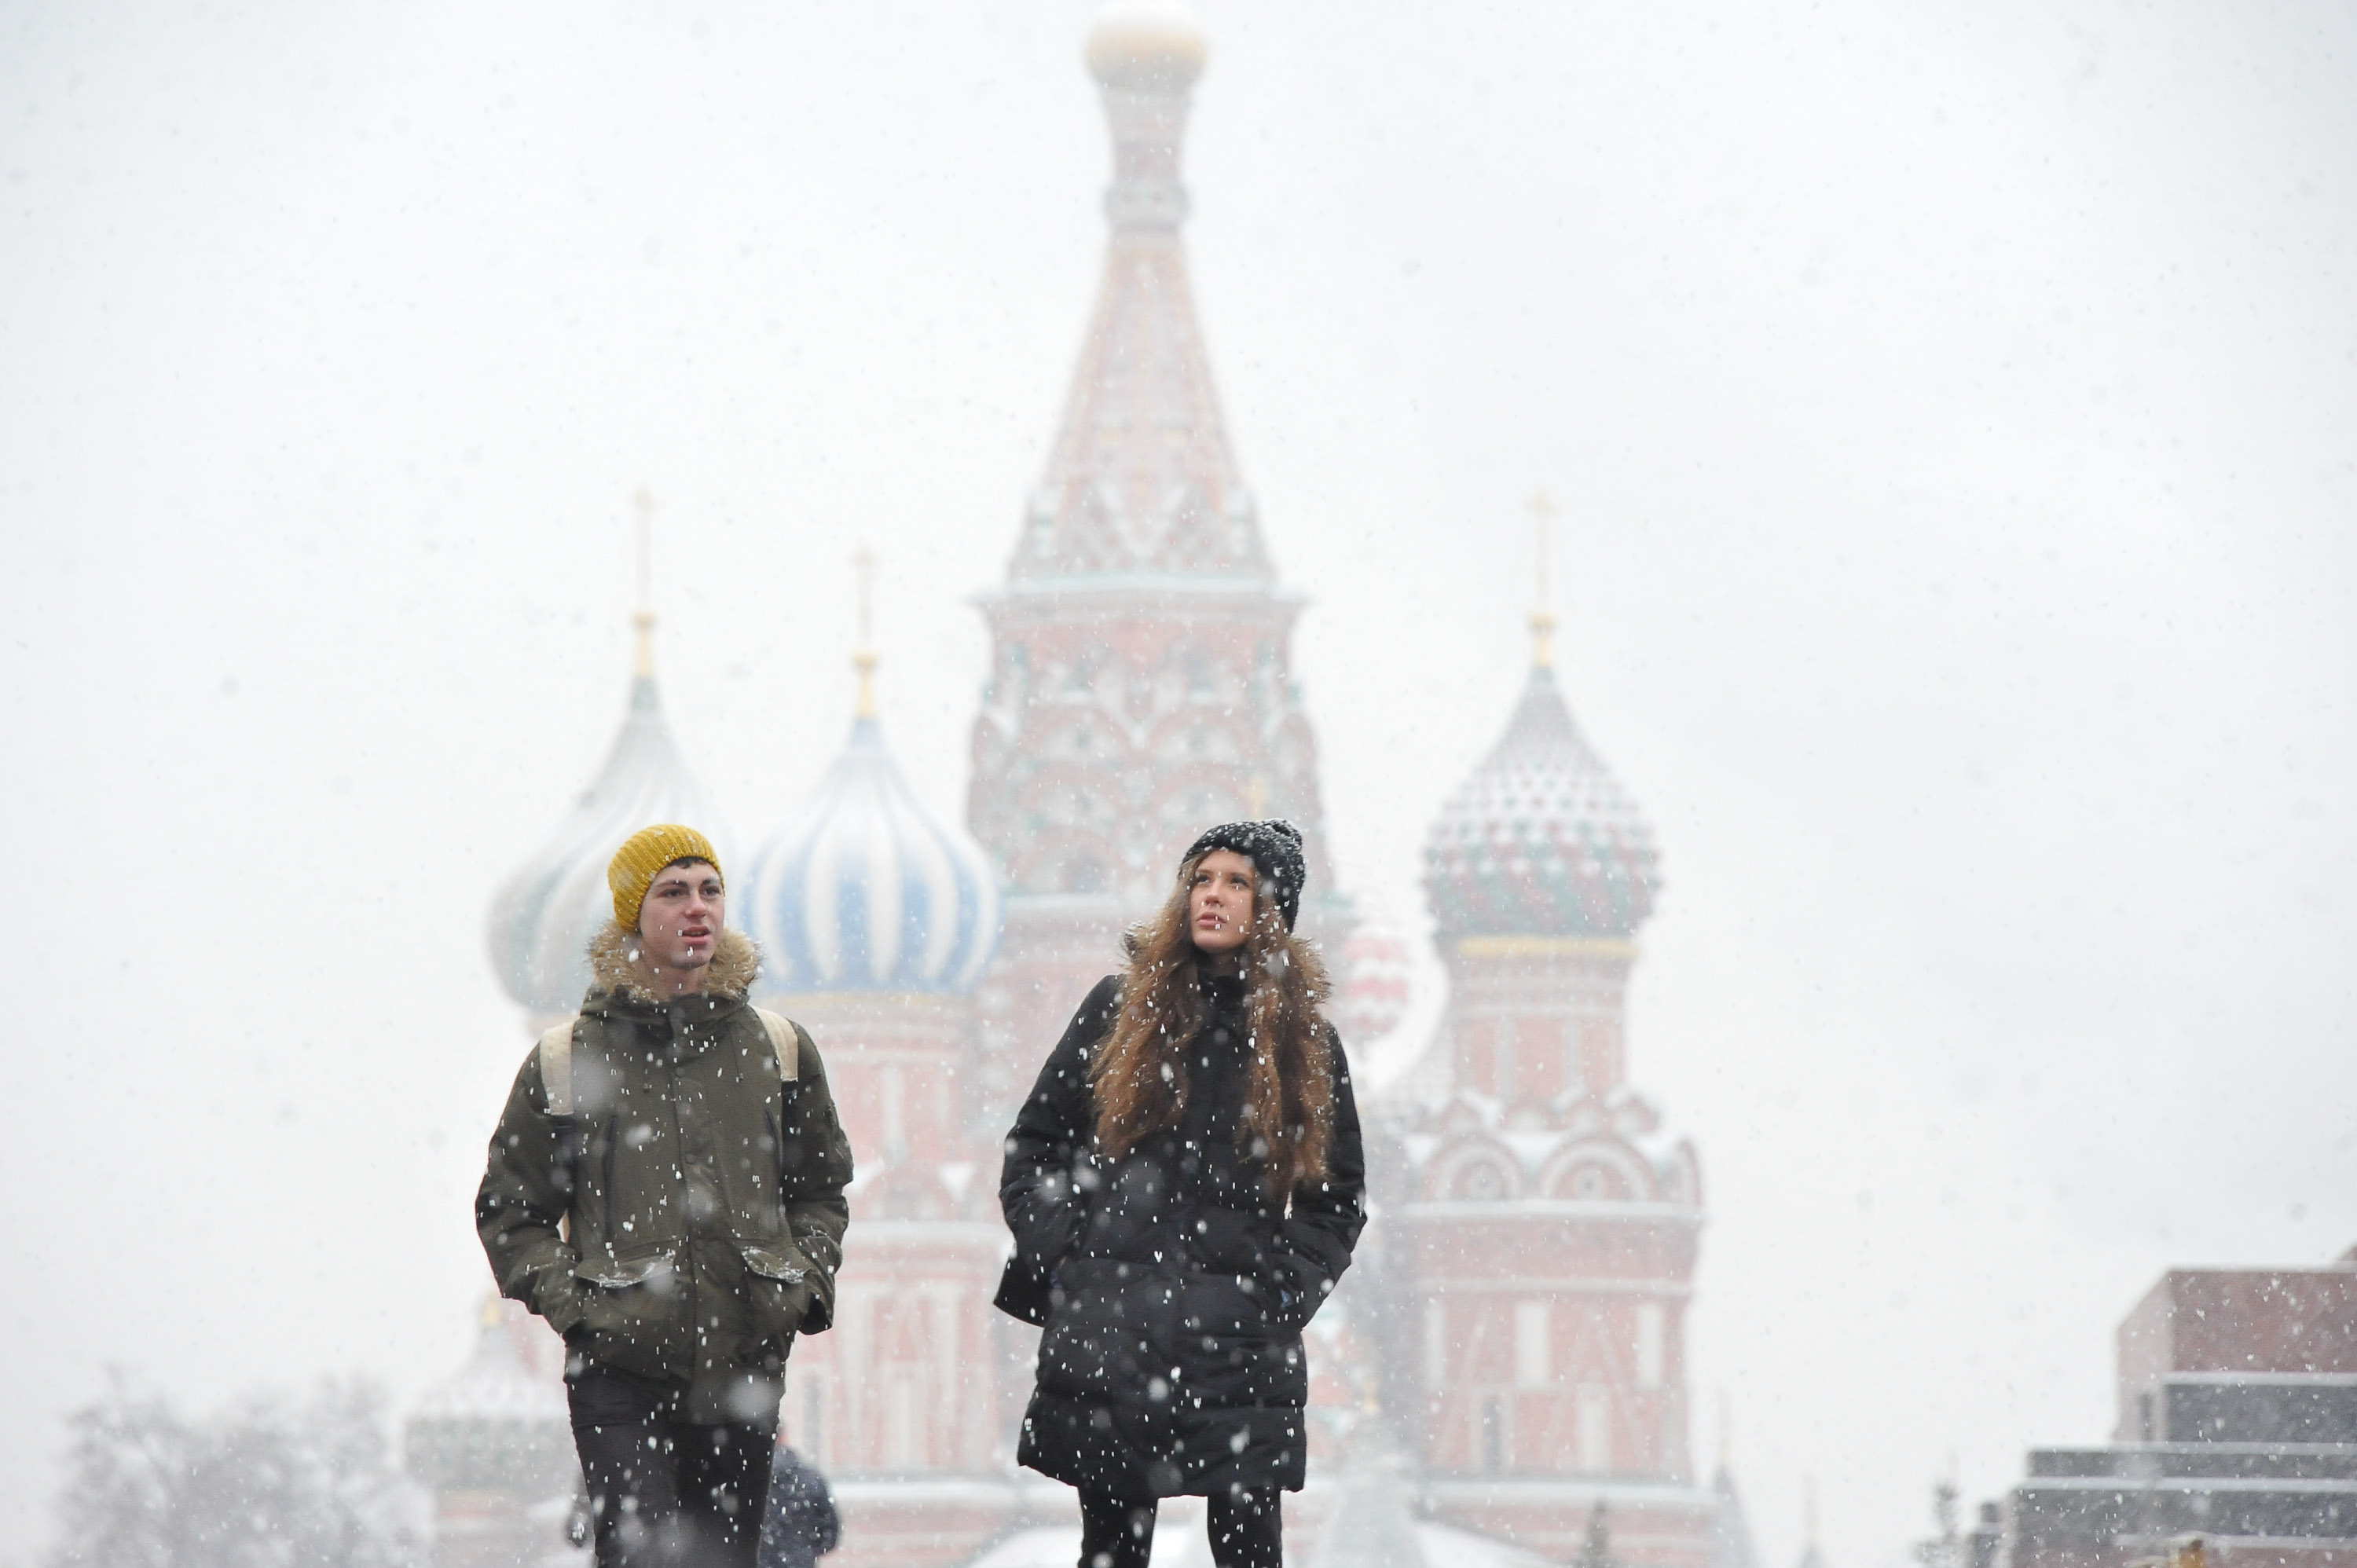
(735, 962)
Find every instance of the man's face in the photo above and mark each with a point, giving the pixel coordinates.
(682, 916)
(1220, 904)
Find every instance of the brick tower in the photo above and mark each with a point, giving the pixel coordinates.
(1544, 1223)
(875, 921)
(1140, 683)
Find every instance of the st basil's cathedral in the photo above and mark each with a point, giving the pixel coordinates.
(1503, 1377)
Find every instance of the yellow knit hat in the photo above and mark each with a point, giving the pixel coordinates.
(632, 870)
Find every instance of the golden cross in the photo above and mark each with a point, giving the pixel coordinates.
(863, 658)
(1543, 512)
(643, 617)
(1542, 619)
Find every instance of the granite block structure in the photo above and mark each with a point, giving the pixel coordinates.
(2237, 1435)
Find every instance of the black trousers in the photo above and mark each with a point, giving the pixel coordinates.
(665, 1492)
(1247, 1528)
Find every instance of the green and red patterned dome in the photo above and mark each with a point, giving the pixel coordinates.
(1540, 840)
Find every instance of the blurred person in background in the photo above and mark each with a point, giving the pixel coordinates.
(1185, 1185)
(665, 1188)
(803, 1526)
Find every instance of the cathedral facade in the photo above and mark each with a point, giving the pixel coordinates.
(1543, 1221)
(1512, 1360)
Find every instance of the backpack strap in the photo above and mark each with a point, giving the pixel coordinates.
(785, 1041)
(556, 1067)
(556, 1057)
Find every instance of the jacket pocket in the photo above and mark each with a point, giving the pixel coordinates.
(781, 1285)
(1109, 1336)
(630, 1303)
(659, 1269)
(773, 1263)
(1305, 1266)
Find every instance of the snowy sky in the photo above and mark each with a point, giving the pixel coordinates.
(1951, 410)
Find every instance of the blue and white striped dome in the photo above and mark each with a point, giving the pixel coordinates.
(866, 891)
(545, 916)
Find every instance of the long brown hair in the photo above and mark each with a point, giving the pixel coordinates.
(1139, 1074)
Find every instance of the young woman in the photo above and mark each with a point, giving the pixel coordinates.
(1185, 1185)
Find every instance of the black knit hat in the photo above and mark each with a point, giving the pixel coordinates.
(1274, 849)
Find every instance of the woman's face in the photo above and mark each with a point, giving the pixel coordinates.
(1220, 904)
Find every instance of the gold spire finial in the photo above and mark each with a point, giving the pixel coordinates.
(863, 658)
(1542, 619)
(1256, 798)
(643, 617)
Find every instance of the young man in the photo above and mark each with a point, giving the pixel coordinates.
(665, 1188)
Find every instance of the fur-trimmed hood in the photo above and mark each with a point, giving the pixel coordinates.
(613, 968)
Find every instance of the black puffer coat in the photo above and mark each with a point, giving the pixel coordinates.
(1172, 1283)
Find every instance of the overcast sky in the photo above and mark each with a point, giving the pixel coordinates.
(1951, 411)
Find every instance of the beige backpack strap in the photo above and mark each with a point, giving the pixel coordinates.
(785, 1042)
(556, 1067)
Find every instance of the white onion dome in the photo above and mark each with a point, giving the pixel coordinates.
(1541, 840)
(867, 890)
(545, 916)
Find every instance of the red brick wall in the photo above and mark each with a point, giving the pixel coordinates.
(2234, 1320)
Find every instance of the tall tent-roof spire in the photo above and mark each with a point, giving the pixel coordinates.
(546, 914)
(1142, 482)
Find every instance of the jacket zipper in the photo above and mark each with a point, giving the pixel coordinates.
(687, 1266)
(610, 1117)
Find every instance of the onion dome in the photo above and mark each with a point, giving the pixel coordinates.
(1540, 840)
(501, 1424)
(544, 918)
(867, 890)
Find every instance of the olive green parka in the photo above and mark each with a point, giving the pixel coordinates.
(686, 1221)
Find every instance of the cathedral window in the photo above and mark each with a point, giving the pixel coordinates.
(903, 1433)
(1650, 1346)
(896, 1119)
(1534, 1352)
(812, 1437)
(1594, 1428)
